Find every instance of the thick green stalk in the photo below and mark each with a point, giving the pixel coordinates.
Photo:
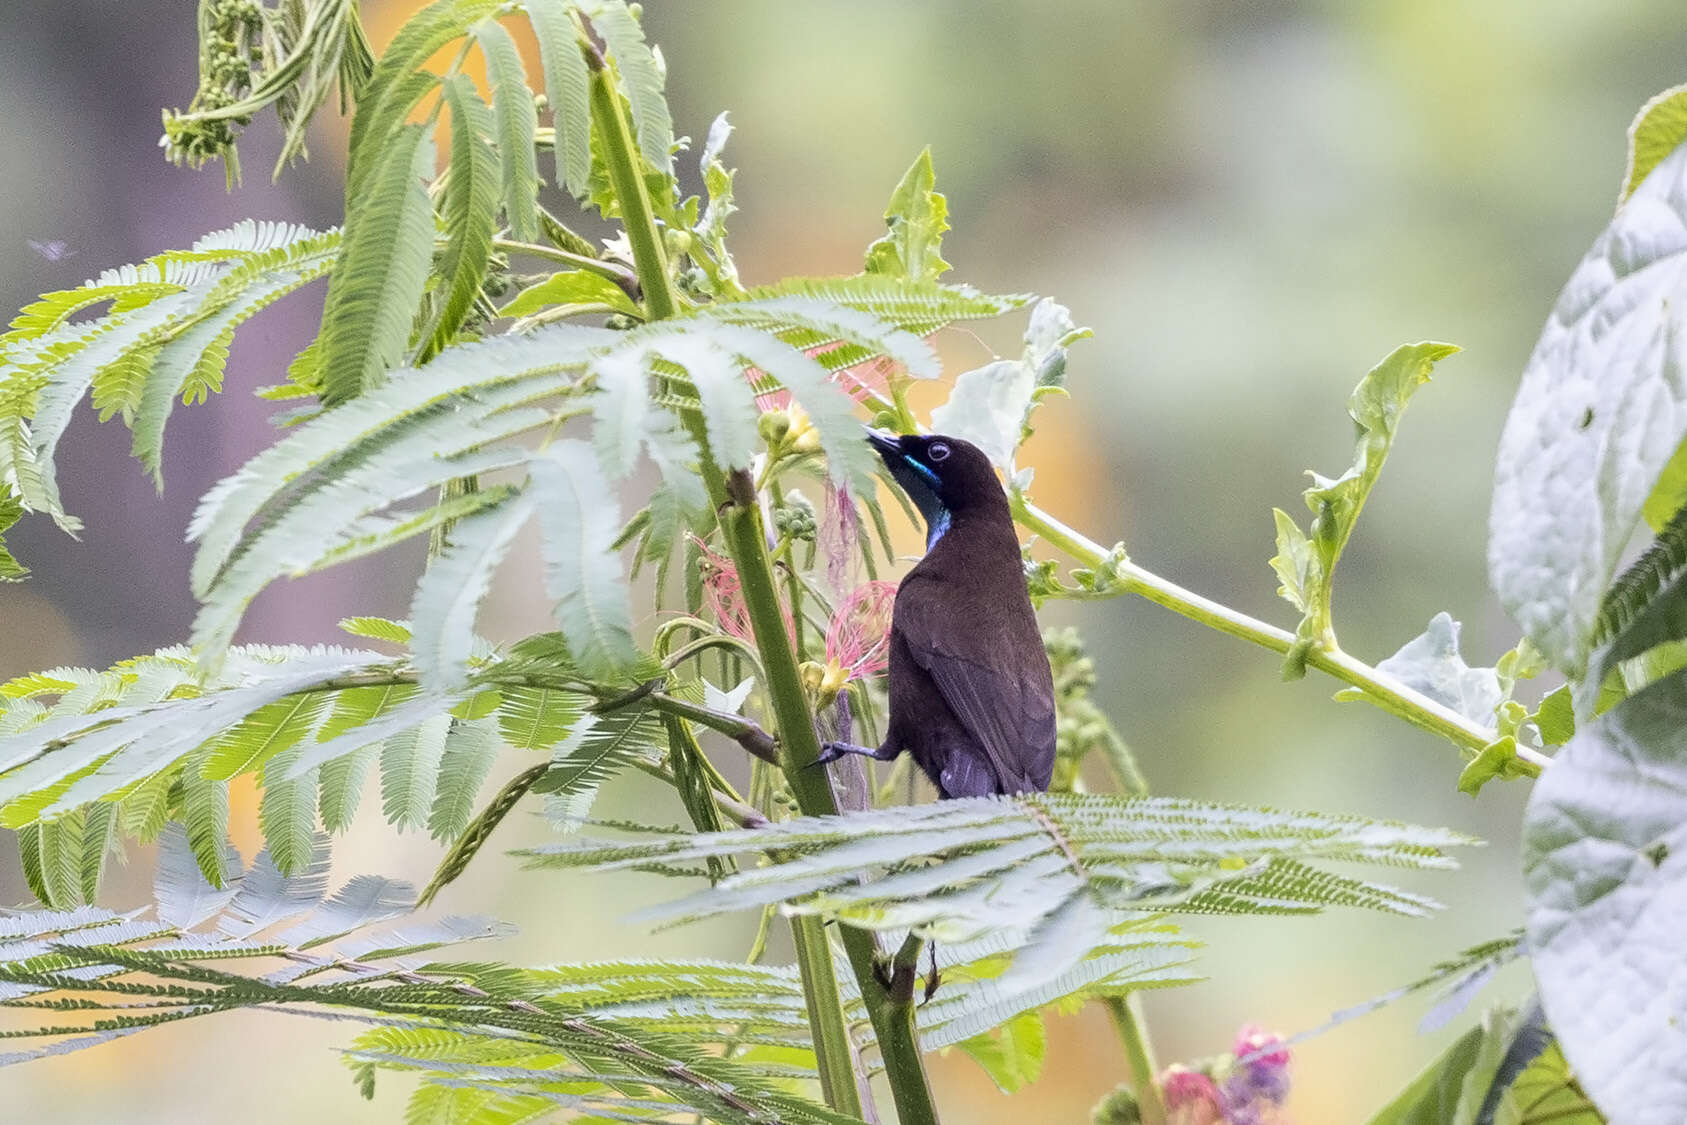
(1379, 687)
(838, 1080)
(1139, 1053)
(620, 153)
(749, 549)
(799, 748)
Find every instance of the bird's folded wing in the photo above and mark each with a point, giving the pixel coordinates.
(1008, 711)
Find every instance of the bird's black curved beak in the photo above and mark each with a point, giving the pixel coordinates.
(885, 444)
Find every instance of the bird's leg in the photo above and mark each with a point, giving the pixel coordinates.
(832, 751)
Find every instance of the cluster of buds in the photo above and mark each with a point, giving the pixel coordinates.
(796, 519)
(785, 427)
(1246, 1087)
(232, 47)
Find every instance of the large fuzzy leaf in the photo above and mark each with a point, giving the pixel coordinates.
(1576, 467)
(1605, 836)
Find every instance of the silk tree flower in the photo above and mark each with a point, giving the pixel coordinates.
(724, 595)
(858, 637)
(839, 538)
(869, 378)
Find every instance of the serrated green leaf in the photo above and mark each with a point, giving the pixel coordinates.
(1450, 1091)
(1657, 130)
(917, 216)
(1295, 562)
(1556, 718)
(1376, 406)
(1546, 1091)
(1012, 1055)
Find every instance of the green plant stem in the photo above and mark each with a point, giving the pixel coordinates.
(636, 217)
(799, 748)
(609, 271)
(1378, 687)
(798, 745)
(1139, 1053)
(825, 1009)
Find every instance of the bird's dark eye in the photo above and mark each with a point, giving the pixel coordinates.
(936, 452)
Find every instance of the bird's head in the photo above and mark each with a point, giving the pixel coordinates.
(942, 475)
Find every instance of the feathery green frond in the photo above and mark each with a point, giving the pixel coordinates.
(917, 307)
(642, 80)
(578, 522)
(512, 106)
(165, 334)
(448, 596)
(470, 208)
(1643, 607)
(527, 1037)
(837, 334)
(470, 747)
(1058, 874)
(537, 718)
(410, 770)
(567, 88)
(382, 269)
(398, 83)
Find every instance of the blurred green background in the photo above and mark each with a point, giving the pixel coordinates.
(1251, 204)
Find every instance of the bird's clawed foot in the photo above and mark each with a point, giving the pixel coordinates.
(832, 751)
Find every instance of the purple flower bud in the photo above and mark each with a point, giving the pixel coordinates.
(1192, 1098)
